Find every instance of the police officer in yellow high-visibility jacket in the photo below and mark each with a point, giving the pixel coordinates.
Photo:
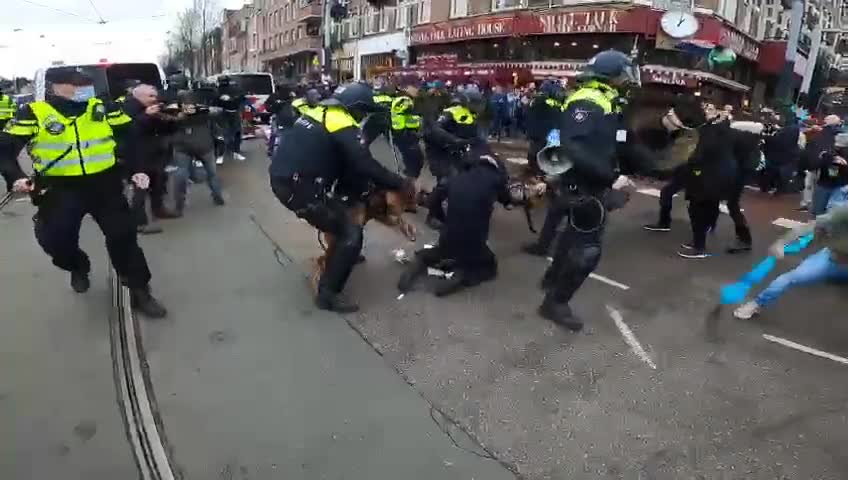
(7, 111)
(590, 128)
(71, 139)
(380, 122)
(322, 151)
(406, 127)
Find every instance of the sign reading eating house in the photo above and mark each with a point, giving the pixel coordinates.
(489, 27)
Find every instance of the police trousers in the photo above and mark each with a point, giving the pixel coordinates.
(307, 200)
(58, 222)
(578, 250)
(410, 151)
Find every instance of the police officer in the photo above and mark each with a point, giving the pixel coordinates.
(446, 141)
(406, 126)
(7, 111)
(589, 130)
(542, 117)
(70, 137)
(379, 123)
(324, 148)
(307, 102)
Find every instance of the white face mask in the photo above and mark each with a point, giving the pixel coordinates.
(83, 94)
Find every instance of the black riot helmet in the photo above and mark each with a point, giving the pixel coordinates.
(356, 98)
(613, 67)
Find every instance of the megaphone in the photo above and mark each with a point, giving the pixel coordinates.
(551, 159)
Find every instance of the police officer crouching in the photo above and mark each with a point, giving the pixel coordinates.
(446, 141)
(587, 169)
(70, 137)
(324, 148)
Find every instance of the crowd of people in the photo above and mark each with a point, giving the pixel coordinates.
(86, 150)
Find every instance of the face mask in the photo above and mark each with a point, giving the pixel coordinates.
(83, 94)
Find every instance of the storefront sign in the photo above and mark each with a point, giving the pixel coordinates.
(557, 21)
(669, 77)
(581, 22)
(464, 30)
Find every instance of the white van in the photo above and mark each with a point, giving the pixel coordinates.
(109, 78)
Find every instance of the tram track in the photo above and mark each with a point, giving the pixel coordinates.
(134, 393)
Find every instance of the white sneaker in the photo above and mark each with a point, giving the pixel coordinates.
(219, 160)
(239, 157)
(747, 311)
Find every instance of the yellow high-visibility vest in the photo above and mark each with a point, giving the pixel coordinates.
(461, 115)
(7, 107)
(596, 92)
(401, 118)
(87, 139)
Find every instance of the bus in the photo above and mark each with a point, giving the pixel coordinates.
(110, 79)
(255, 86)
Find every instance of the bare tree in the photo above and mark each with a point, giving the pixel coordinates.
(187, 45)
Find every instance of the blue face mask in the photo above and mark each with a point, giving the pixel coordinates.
(83, 94)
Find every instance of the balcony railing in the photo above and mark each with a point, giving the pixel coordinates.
(312, 10)
(292, 47)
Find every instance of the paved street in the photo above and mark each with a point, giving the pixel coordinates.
(252, 382)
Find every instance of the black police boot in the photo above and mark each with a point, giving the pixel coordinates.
(535, 249)
(560, 313)
(414, 270)
(80, 282)
(335, 302)
(144, 303)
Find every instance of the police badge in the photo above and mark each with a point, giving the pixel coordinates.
(54, 126)
(580, 115)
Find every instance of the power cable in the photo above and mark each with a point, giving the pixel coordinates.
(58, 10)
(94, 7)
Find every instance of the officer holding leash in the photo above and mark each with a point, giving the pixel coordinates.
(70, 137)
(587, 167)
(322, 150)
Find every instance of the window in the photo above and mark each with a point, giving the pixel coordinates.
(459, 8)
(507, 4)
(264, 45)
(299, 32)
(287, 38)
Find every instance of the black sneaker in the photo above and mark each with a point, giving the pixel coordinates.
(693, 254)
(144, 303)
(80, 282)
(335, 303)
(533, 248)
(218, 201)
(687, 246)
(447, 286)
(561, 314)
(657, 227)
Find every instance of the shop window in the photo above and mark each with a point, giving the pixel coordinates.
(507, 4)
(543, 3)
(459, 8)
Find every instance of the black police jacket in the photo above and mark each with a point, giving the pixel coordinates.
(542, 117)
(588, 138)
(447, 135)
(326, 143)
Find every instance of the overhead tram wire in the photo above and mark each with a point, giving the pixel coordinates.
(94, 7)
(58, 10)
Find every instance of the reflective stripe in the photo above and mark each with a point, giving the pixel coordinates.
(61, 146)
(73, 161)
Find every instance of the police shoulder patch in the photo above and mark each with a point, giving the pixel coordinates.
(580, 115)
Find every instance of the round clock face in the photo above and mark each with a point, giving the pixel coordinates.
(679, 24)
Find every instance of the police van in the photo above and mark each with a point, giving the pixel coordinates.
(110, 79)
(256, 88)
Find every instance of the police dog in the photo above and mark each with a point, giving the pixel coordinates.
(383, 206)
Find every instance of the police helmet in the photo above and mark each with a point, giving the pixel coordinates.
(313, 96)
(551, 88)
(356, 96)
(466, 97)
(611, 65)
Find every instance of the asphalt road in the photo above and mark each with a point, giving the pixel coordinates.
(252, 382)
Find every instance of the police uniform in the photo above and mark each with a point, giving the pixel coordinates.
(7, 111)
(323, 149)
(462, 247)
(447, 138)
(380, 122)
(405, 130)
(542, 117)
(72, 147)
(590, 123)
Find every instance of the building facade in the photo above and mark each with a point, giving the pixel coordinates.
(289, 37)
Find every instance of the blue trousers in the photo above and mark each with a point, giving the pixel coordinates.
(816, 268)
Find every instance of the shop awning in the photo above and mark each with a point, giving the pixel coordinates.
(688, 78)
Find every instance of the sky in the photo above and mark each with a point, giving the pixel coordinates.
(34, 33)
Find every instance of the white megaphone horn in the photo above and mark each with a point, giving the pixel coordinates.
(551, 158)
